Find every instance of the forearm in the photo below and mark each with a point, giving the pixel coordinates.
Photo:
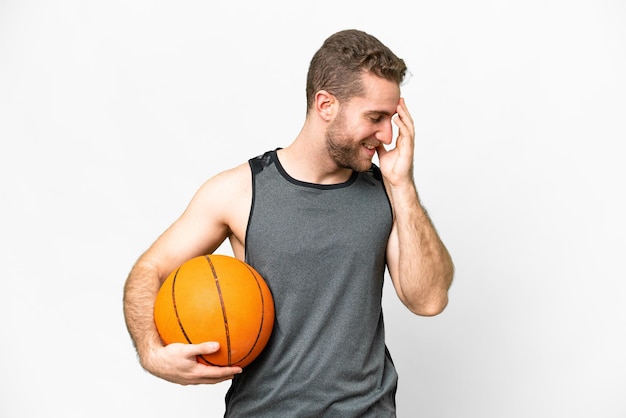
(140, 291)
(423, 267)
(175, 362)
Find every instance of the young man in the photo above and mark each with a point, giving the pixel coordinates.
(320, 223)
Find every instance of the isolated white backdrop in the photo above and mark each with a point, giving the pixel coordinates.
(113, 113)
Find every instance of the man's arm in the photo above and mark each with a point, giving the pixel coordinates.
(211, 216)
(419, 264)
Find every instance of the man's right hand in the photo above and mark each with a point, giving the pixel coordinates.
(178, 363)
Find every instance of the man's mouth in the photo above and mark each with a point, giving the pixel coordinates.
(370, 148)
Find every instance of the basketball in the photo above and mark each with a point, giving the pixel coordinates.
(216, 298)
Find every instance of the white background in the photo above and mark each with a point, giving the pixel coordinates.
(113, 113)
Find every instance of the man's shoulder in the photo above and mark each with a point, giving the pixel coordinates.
(236, 182)
(233, 179)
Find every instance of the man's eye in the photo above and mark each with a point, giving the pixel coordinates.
(376, 120)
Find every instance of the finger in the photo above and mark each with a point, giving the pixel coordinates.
(208, 347)
(381, 150)
(213, 374)
(217, 372)
(403, 113)
(404, 121)
(403, 131)
(397, 119)
(403, 109)
(214, 381)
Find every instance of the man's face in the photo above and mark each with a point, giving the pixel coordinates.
(363, 124)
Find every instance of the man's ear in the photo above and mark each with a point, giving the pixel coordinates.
(325, 105)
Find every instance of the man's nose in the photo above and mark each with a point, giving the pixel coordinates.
(385, 133)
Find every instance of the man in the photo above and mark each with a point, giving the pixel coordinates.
(320, 223)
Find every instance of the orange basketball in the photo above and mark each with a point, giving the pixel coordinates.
(216, 298)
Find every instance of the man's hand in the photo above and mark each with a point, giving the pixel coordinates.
(178, 363)
(397, 164)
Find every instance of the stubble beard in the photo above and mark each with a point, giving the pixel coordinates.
(344, 149)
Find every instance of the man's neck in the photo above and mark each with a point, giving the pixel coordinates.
(307, 159)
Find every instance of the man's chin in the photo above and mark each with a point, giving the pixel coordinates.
(361, 167)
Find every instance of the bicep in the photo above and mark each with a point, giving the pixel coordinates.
(201, 228)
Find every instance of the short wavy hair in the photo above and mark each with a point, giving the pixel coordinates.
(338, 65)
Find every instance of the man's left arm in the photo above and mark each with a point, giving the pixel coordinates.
(419, 264)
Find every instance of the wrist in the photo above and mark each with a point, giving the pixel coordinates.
(403, 188)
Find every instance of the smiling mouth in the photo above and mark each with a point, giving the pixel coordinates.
(370, 149)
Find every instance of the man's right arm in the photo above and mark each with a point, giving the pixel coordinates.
(202, 227)
(175, 362)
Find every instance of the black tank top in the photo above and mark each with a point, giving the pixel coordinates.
(321, 248)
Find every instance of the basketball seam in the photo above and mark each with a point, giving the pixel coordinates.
(258, 335)
(223, 306)
(180, 322)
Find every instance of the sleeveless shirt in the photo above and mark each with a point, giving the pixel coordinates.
(321, 249)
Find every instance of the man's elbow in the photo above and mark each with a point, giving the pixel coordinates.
(432, 307)
(431, 300)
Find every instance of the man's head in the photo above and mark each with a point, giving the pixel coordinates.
(337, 67)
